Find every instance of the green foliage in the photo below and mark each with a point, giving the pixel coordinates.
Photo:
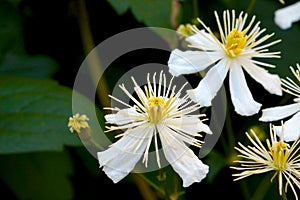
(151, 12)
(34, 114)
(31, 66)
(13, 57)
(38, 175)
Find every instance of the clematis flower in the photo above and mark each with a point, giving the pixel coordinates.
(278, 156)
(158, 113)
(284, 17)
(239, 44)
(291, 126)
(78, 122)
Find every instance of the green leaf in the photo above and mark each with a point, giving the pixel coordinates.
(32, 66)
(151, 12)
(34, 114)
(120, 6)
(38, 175)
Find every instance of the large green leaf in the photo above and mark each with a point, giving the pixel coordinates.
(13, 57)
(38, 175)
(32, 66)
(34, 114)
(151, 12)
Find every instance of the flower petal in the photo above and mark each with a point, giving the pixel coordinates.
(121, 157)
(123, 116)
(291, 129)
(189, 125)
(241, 96)
(284, 17)
(271, 82)
(210, 84)
(182, 159)
(279, 112)
(203, 40)
(188, 62)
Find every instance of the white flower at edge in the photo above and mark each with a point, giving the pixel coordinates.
(284, 17)
(161, 113)
(239, 44)
(277, 157)
(292, 126)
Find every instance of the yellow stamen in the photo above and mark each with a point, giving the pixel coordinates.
(279, 152)
(156, 108)
(235, 42)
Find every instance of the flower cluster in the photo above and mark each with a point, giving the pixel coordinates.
(161, 117)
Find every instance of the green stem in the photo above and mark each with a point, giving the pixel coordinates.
(157, 188)
(230, 134)
(283, 194)
(262, 189)
(195, 10)
(251, 6)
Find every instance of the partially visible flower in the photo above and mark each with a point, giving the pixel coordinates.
(284, 17)
(185, 30)
(282, 1)
(291, 126)
(234, 52)
(158, 112)
(78, 122)
(278, 156)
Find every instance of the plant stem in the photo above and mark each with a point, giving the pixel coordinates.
(283, 194)
(251, 6)
(230, 134)
(195, 10)
(262, 188)
(157, 188)
(94, 63)
(143, 184)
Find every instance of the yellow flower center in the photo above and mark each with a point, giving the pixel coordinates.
(156, 105)
(235, 42)
(279, 153)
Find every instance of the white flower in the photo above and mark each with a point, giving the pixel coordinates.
(234, 53)
(278, 156)
(158, 112)
(284, 17)
(291, 126)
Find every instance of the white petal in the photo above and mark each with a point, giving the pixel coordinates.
(284, 17)
(279, 112)
(210, 84)
(120, 158)
(189, 125)
(271, 82)
(188, 62)
(203, 40)
(241, 96)
(291, 129)
(182, 159)
(123, 116)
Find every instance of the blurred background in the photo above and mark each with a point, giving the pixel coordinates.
(42, 45)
